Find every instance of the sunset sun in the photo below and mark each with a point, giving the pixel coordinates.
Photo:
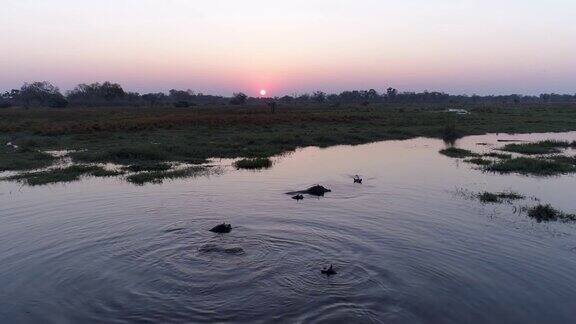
(263, 92)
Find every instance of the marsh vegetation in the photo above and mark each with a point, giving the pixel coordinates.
(540, 147)
(498, 197)
(158, 177)
(253, 164)
(130, 137)
(59, 175)
(455, 152)
(547, 213)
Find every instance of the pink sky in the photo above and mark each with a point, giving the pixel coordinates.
(220, 47)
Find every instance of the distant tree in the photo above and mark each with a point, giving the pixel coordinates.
(319, 97)
(391, 93)
(154, 99)
(239, 99)
(5, 100)
(273, 104)
(181, 95)
(372, 95)
(182, 98)
(111, 91)
(287, 99)
(96, 94)
(303, 98)
(39, 94)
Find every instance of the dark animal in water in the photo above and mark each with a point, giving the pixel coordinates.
(357, 179)
(316, 190)
(298, 197)
(222, 228)
(329, 271)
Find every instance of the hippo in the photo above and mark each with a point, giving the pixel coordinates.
(316, 190)
(298, 197)
(357, 179)
(328, 271)
(222, 228)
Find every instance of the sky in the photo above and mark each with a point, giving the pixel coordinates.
(296, 46)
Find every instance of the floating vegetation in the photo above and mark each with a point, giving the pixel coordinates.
(58, 175)
(104, 173)
(159, 176)
(531, 166)
(454, 152)
(140, 167)
(547, 213)
(502, 156)
(478, 161)
(563, 159)
(541, 147)
(254, 164)
(498, 197)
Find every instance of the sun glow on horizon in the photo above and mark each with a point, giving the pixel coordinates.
(278, 48)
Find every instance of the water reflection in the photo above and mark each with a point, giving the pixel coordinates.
(407, 247)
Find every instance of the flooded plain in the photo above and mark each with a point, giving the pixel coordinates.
(409, 244)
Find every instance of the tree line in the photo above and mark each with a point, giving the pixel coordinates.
(109, 94)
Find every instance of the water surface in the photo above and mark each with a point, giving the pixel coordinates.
(409, 247)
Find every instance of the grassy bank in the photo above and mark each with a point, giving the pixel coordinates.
(60, 175)
(536, 148)
(131, 136)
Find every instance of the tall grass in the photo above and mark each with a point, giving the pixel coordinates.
(541, 147)
(454, 152)
(158, 177)
(531, 166)
(547, 213)
(24, 160)
(253, 164)
(58, 175)
(497, 197)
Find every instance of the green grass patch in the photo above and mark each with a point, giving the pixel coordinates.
(127, 136)
(253, 164)
(158, 177)
(541, 147)
(103, 173)
(498, 197)
(478, 161)
(531, 166)
(142, 153)
(20, 160)
(140, 167)
(59, 175)
(547, 213)
(454, 152)
(502, 156)
(563, 159)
